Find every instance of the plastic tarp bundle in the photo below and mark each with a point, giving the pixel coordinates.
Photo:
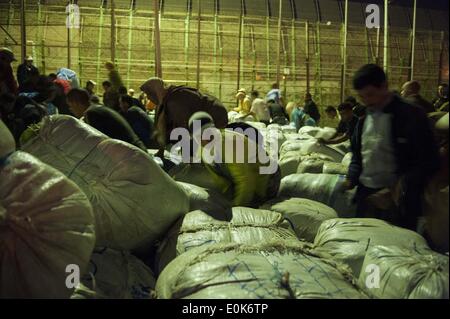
(313, 163)
(305, 215)
(436, 210)
(258, 125)
(115, 275)
(134, 201)
(247, 226)
(348, 240)
(405, 273)
(195, 174)
(46, 224)
(334, 168)
(288, 163)
(343, 147)
(347, 159)
(273, 140)
(323, 188)
(7, 143)
(307, 147)
(317, 132)
(278, 270)
(207, 201)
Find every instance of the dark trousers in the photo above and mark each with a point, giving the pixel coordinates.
(365, 209)
(406, 215)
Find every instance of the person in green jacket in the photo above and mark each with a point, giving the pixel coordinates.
(236, 164)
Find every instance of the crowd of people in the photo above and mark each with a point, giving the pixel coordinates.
(395, 150)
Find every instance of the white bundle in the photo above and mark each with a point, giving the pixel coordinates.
(115, 275)
(246, 226)
(323, 188)
(305, 215)
(349, 239)
(277, 270)
(46, 229)
(134, 201)
(397, 273)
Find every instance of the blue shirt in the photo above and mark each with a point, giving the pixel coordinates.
(275, 95)
(301, 119)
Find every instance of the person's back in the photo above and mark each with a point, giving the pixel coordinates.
(277, 113)
(141, 124)
(259, 107)
(111, 123)
(181, 102)
(301, 119)
(243, 179)
(420, 101)
(311, 109)
(274, 94)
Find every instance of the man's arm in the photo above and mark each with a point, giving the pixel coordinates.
(355, 168)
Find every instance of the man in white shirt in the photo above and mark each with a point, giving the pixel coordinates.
(259, 108)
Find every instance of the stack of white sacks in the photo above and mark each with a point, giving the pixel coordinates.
(116, 204)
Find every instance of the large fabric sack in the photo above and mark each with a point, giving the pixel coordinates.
(289, 163)
(115, 275)
(349, 239)
(7, 143)
(343, 147)
(323, 188)
(207, 201)
(46, 224)
(436, 211)
(305, 215)
(258, 125)
(195, 174)
(334, 168)
(273, 140)
(405, 273)
(307, 147)
(317, 132)
(312, 163)
(347, 159)
(246, 226)
(134, 201)
(288, 129)
(278, 270)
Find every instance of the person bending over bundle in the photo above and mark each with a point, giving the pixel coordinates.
(176, 104)
(241, 169)
(104, 119)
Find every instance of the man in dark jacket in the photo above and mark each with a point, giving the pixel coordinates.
(25, 70)
(140, 122)
(311, 108)
(411, 93)
(441, 102)
(104, 119)
(277, 113)
(175, 106)
(394, 153)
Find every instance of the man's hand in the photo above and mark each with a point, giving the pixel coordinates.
(347, 185)
(382, 200)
